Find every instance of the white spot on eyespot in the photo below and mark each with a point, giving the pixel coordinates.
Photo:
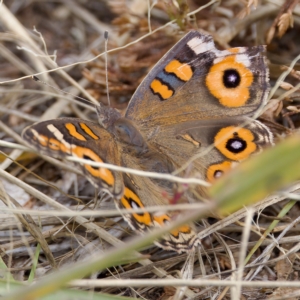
(198, 46)
(232, 78)
(218, 174)
(134, 205)
(236, 145)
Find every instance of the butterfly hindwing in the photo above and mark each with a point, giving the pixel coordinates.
(212, 147)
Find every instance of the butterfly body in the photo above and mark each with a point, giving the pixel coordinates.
(196, 98)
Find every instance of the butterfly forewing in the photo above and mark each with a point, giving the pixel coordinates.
(82, 139)
(195, 81)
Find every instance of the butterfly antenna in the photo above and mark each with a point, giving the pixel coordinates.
(59, 90)
(106, 63)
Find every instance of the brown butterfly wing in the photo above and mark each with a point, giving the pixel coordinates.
(143, 192)
(82, 139)
(183, 105)
(195, 81)
(215, 146)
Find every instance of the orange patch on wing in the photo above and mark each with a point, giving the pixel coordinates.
(183, 71)
(161, 219)
(128, 197)
(88, 131)
(74, 133)
(42, 139)
(231, 132)
(185, 229)
(161, 89)
(234, 50)
(52, 143)
(222, 167)
(102, 173)
(229, 97)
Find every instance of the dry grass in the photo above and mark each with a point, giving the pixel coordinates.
(57, 231)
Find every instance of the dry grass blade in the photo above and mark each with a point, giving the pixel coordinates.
(283, 21)
(30, 225)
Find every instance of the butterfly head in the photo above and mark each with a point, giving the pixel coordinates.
(107, 116)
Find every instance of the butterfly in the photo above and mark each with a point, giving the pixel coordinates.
(195, 97)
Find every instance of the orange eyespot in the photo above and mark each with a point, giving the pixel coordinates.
(130, 201)
(104, 174)
(235, 143)
(229, 81)
(217, 170)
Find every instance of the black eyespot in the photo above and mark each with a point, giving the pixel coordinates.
(231, 78)
(134, 205)
(88, 158)
(236, 145)
(166, 221)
